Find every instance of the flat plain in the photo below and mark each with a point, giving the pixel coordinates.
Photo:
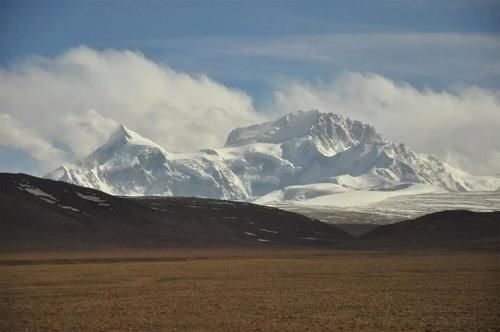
(250, 290)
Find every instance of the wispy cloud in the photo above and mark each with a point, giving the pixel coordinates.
(443, 58)
(328, 45)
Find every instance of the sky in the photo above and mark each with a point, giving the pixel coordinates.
(426, 73)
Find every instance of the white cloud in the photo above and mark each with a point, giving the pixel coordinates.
(76, 99)
(461, 126)
(15, 134)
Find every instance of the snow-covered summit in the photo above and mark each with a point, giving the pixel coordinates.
(124, 135)
(330, 133)
(122, 142)
(298, 149)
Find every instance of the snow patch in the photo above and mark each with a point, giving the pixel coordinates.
(91, 198)
(47, 200)
(268, 231)
(69, 208)
(38, 193)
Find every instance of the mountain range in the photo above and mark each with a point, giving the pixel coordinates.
(304, 156)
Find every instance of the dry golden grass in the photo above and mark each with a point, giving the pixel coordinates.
(256, 291)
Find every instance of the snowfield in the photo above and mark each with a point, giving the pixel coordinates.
(328, 194)
(396, 208)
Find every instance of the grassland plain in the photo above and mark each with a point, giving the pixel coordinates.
(250, 290)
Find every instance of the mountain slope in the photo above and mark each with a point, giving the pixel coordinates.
(38, 213)
(301, 148)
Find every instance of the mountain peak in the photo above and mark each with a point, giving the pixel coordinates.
(123, 135)
(292, 125)
(301, 114)
(334, 132)
(123, 131)
(121, 139)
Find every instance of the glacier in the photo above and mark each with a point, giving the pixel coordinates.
(304, 156)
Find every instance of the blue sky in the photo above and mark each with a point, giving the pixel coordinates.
(205, 36)
(257, 45)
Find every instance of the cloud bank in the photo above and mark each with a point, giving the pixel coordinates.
(461, 126)
(62, 108)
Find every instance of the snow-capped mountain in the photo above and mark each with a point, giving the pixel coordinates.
(129, 164)
(301, 153)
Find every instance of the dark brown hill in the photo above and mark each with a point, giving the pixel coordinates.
(452, 229)
(37, 213)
